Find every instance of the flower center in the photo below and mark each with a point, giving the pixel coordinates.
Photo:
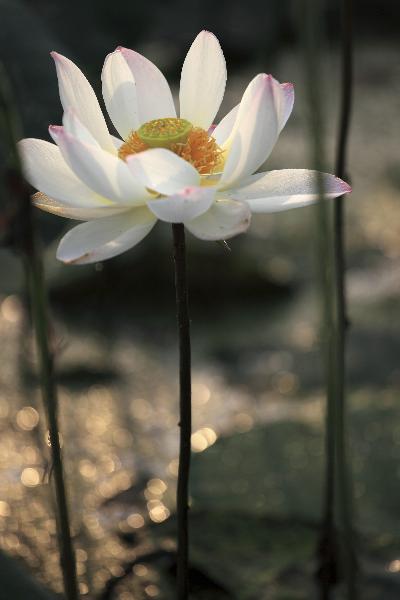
(193, 144)
(162, 133)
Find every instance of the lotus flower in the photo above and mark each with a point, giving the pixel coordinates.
(176, 169)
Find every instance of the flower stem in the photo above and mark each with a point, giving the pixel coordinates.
(327, 548)
(185, 422)
(343, 470)
(49, 392)
(23, 240)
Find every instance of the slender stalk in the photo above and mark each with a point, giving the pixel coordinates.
(327, 547)
(185, 422)
(24, 242)
(343, 471)
(327, 552)
(49, 392)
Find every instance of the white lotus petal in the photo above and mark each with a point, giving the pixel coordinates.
(77, 93)
(183, 206)
(224, 128)
(117, 142)
(163, 171)
(154, 98)
(203, 81)
(103, 172)
(104, 238)
(46, 170)
(225, 219)
(120, 93)
(75, 127)
(289, 188)
(80, 213)
(285, 100)
(255, 131)
(286, 103)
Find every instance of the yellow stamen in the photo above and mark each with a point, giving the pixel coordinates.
(133, 145)
(193, 144)
(200, 150)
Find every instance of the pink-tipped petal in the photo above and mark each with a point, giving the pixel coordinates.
(86, 211)
(105, 238)
(224, 220)
(286, 102)
(45, 168)
(224, 128)
(77, 93)
(277, 191)
(163, 171)
(154, 98)
(104, 173)
(73, 126)
(255, 131)
(203, 81)
(120, 93)
(183, 206)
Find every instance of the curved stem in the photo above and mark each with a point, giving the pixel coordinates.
(22, 238)
(327, 549)
(343, 471)
(49, 392)
(185, 422)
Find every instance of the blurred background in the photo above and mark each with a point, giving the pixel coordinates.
(258, 388)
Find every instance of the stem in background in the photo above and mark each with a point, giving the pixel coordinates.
(185, 404)
(343, 470)
(24, 242)
(327, 552)
(49, 392)
(327, 548)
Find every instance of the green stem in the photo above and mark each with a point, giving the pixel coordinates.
(22, 238)
(185, 422)
(327, 549)
(343, 471)
(49, 393)
(327, 553)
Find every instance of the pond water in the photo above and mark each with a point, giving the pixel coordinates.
(258, 396)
